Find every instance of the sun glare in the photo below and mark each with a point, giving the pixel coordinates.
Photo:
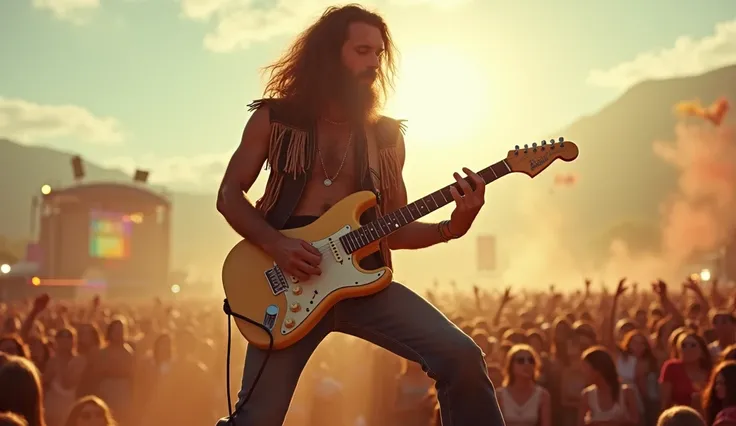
(442, 93)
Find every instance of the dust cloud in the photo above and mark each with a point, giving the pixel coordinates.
(699, 218)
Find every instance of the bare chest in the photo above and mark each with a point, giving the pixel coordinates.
(334, 174)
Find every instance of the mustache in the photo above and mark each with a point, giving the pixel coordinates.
(371, 73)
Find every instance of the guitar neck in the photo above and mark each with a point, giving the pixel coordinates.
(392, 222)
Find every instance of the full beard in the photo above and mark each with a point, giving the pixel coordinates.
(360, 99)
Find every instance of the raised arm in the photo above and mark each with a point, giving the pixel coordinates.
(504, 300)
(611, 326)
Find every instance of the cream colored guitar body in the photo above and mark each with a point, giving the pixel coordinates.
(256, 288)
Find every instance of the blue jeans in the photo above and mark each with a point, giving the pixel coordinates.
(400, 321)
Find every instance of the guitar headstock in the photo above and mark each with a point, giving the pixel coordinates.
(531, 160)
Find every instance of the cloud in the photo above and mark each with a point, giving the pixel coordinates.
(240, 23)
(198, 172)
(688, 56)
(29, 122)
(76, 11)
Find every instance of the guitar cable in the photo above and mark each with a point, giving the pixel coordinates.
(230, 313)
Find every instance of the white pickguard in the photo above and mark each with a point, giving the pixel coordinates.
(335, 275)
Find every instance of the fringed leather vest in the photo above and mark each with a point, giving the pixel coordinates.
(291, 155)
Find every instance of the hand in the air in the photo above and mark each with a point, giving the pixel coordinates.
(467, 204)
(296, 258)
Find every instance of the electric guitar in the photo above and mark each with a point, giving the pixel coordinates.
(256, 288)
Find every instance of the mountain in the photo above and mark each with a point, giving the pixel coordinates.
(200, 237)
(622, 183)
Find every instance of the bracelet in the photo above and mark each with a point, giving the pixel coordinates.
(440, 229)
(445, 233)
(449, 232)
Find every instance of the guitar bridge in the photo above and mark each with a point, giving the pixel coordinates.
(276, 280)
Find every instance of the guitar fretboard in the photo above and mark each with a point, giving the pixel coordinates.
(392, 222)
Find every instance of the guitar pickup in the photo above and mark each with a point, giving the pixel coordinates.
(335, 252)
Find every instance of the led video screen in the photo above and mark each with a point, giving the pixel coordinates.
(109, 236)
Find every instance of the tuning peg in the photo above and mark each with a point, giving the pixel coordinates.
(526, 148)
(516, 150)
(534, 146)
(562, 141)
(544, 143)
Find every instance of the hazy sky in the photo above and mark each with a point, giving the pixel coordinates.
(164, 83)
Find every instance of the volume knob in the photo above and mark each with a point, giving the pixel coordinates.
(297, 289)
(295, 307)
(288, 323)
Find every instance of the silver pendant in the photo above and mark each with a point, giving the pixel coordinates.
(328, 182)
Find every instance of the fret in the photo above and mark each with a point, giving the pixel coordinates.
(368, 232)
(379, 231)
(362, 240)
(393, 221)
(402, 215)
(442, 192)
(376, 231)
(408, 210)
(436, 206)
(414, 211)
(349, 242)
(429, 210)
(345, 239)
(387, 223)
(501, 169)
(382, 223)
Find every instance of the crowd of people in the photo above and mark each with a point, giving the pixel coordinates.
(627, 356)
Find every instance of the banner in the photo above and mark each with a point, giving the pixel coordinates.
(486, 252)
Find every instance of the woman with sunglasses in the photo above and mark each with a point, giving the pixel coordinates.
(523, 402)
(606, 402)
(682, 379)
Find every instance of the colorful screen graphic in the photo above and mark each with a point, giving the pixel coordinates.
(109, 236)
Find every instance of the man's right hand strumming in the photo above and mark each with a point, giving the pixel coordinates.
(295, 257)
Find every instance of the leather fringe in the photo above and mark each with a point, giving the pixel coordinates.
(297, 160)
(291, 158)
(389, 164)
(402, 126)
(256, 104)
(390, 178)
